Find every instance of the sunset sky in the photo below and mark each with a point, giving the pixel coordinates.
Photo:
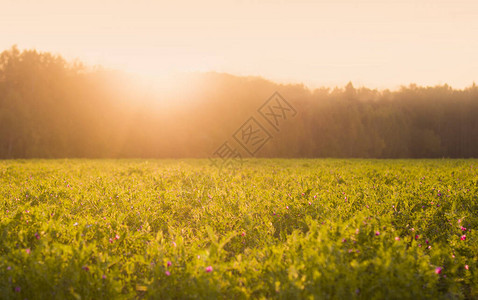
(379, 44)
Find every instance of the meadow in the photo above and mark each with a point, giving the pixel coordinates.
(271, 228)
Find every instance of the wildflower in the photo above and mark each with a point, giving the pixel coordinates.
(167, 273)
(310, 203)
(417, 237)
(169, 263)
(111, 240)
(17, 289)
(397, 238)
(463, 228)
(104, 276)
(209, 269)
(426, 241)
(344, 240)
(466, 267)
(243, 233)
(37, 235)
(117, 237)
(438, 270)
(9, 268)
(377, 232)
(86, 268)
(287, 207)
(463, 237)
(28, 250)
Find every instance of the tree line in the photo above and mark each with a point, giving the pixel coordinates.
(52, 108)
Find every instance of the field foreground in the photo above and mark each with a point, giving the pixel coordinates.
(320, 229)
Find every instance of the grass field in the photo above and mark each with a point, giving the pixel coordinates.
(318, 229)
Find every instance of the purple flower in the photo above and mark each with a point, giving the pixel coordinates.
(438, 270)
(167, 273)
(169, 263)
(209, 269)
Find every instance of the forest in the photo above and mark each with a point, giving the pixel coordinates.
(54, 108)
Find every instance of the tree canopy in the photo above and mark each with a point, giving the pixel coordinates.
(52, 108)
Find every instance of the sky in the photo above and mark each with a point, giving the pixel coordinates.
(378, 44)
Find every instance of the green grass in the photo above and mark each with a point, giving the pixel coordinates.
(316, 229)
